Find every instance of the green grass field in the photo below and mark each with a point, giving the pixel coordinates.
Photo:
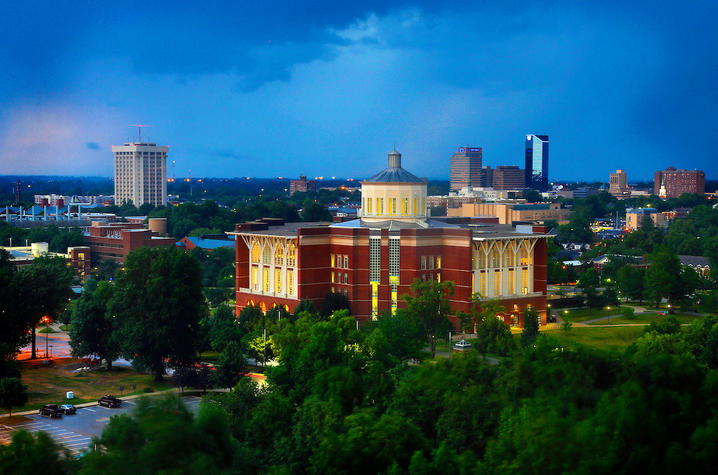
(579, 315)
(646, 318)
(605, 338)
(48, 384)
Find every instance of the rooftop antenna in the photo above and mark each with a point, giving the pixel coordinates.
(139, 128)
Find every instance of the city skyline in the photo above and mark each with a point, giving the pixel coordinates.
(327, 92)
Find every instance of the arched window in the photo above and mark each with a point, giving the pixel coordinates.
(292, 255)
(255, 253)
(279, 256)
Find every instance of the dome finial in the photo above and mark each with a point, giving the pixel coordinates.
(394, 159)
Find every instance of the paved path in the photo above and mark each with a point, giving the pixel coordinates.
(76, 431)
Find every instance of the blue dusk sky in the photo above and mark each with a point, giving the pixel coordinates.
(268, 88)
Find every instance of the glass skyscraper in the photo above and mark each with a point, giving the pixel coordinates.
(537, 161)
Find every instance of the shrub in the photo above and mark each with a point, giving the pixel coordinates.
(148, 390)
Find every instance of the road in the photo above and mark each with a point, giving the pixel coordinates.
(58, 346)
(75, 432)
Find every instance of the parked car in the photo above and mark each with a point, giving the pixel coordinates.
(109, 401)
(68, 409)
(50, 410)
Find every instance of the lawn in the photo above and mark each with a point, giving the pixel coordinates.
(48, 384)
(579, 315)
(606, 338)
(646, 318)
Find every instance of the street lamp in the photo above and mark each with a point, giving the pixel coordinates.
(46, 319)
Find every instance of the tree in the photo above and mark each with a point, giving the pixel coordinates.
(312, 211)
(159, 303)
(12, 393)
(44, 287)
(332, 302)
(495, 336)
(630, 282)
(14, 323)
(663, 278)
(224, 328)
(531, 327)
(93, 328)
(29, 454)
(429, 307)
(231, 364)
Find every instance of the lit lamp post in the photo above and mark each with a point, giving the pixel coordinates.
(46, 319)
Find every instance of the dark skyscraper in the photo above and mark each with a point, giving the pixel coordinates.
(465, 168)
(537, 161)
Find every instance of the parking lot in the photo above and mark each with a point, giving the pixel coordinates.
(76, 431)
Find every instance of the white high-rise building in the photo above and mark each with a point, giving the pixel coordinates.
(140, 173)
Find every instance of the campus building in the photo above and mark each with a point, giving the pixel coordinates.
(374, 259)
(512, 212)
(466, 169)
(113, 241)
(140, 173)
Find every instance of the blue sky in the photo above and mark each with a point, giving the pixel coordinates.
(270, 88)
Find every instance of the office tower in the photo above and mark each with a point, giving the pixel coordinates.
(618, 183)
(672, 183)
(487, 177)
(140, 173)
(508, 178)
(536, 162)
(465, 168)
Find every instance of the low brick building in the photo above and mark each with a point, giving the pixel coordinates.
(114, 241)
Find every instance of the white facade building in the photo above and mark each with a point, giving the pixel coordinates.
(140, 173)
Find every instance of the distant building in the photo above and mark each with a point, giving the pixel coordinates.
(510, 213)
(509, 178)
(487, 177)
(140, 173)
(536, 171)
(618, 184)
(302, 185)
(72, 200)
(465, 168)
(208, 243)
(114, 241)
(77, 257)
(672, 183)
(635, 216)
(700, 264)
(584, 192)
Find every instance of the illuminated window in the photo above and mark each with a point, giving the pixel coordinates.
(368, 205)
(374, 300)
(279, 256)
(497, 283)
(512, 282)
(332, 259)
(332, 277)
(290, 282)
(438, 262)
(255, 253)
(278, 280)
(255, 278)
(423, 206)
(292, 255)
(265, 274)
(404, 206)
(393, 206)
(524, 281)
(524, 254)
